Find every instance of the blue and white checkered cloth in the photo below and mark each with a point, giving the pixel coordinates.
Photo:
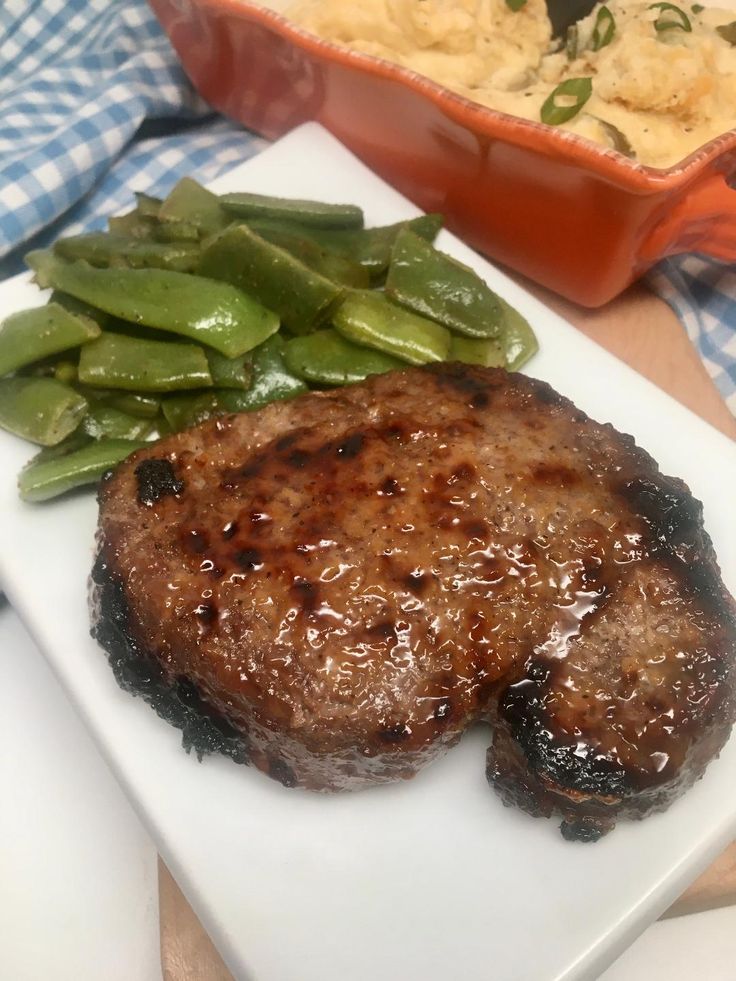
(94, 103)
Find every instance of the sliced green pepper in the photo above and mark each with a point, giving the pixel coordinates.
(368, 318)
(194, 205)
(212, 312)
(326, 358)
(301, 297)
(316, 214)
(117, 361)
(105, 421)
(519, 340)
(43, 479)
(33, 334)
(103, 249)
(41, 410)
(441, 288)
(486, 351)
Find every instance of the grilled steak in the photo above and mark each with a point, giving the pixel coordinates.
(334, 588)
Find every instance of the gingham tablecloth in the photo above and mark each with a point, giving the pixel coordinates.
(94, 105)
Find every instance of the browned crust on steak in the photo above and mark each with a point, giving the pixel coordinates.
(334, 588)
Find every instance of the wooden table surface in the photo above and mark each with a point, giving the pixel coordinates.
(641, 330)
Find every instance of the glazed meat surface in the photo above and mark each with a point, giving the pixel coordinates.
(334, 588)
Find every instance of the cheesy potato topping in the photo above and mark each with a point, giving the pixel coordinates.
(658, 93)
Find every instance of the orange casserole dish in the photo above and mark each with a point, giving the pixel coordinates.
(571, 215)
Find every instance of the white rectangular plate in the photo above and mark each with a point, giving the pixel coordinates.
(430, 879)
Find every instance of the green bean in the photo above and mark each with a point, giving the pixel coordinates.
(117, 361)
(183, 411)
(33, 334)
(370, 319)
(43, 479)
(80, 309)
(41, 261)
(272, 382)
(316, 214)
(519, 340)
(229, 372)
(301, 297)
(439, 287)
(146, 205)
(66, 371)
(75, 441)
(106, 421)
(478, 350)
(103, 249)
(194, 205)
(41, 410)
(133, 225)
(204, 310)
(176, 231)
(141, 406)
(332, 265)
(326, 358)
(368, 247)
(132, 403)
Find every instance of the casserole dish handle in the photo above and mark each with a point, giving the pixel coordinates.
(704, 221)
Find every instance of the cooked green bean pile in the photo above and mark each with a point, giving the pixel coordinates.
(200, 305)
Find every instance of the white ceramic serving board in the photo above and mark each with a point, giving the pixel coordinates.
(425, 880)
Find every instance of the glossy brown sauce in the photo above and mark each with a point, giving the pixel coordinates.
(372, 576)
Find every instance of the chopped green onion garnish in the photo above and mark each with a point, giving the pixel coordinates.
(670, 18)
(603, 30)
(515, 4)
(697, 8)
(619, 140)
(566, 101)
(728, 32)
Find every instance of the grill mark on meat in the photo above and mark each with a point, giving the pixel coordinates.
(390, 487)
(156, 479)
(230, 531)
(397, 733)
(175, 700)
(248, 559)
(280, 770)
(569, 763)
(306, 594)
(555, 475)
(194, 541)
(351, 447)
(417, 581)
(427, 564)
(443, 710)
(676, 536)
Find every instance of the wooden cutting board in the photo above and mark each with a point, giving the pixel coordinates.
(642, 331)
